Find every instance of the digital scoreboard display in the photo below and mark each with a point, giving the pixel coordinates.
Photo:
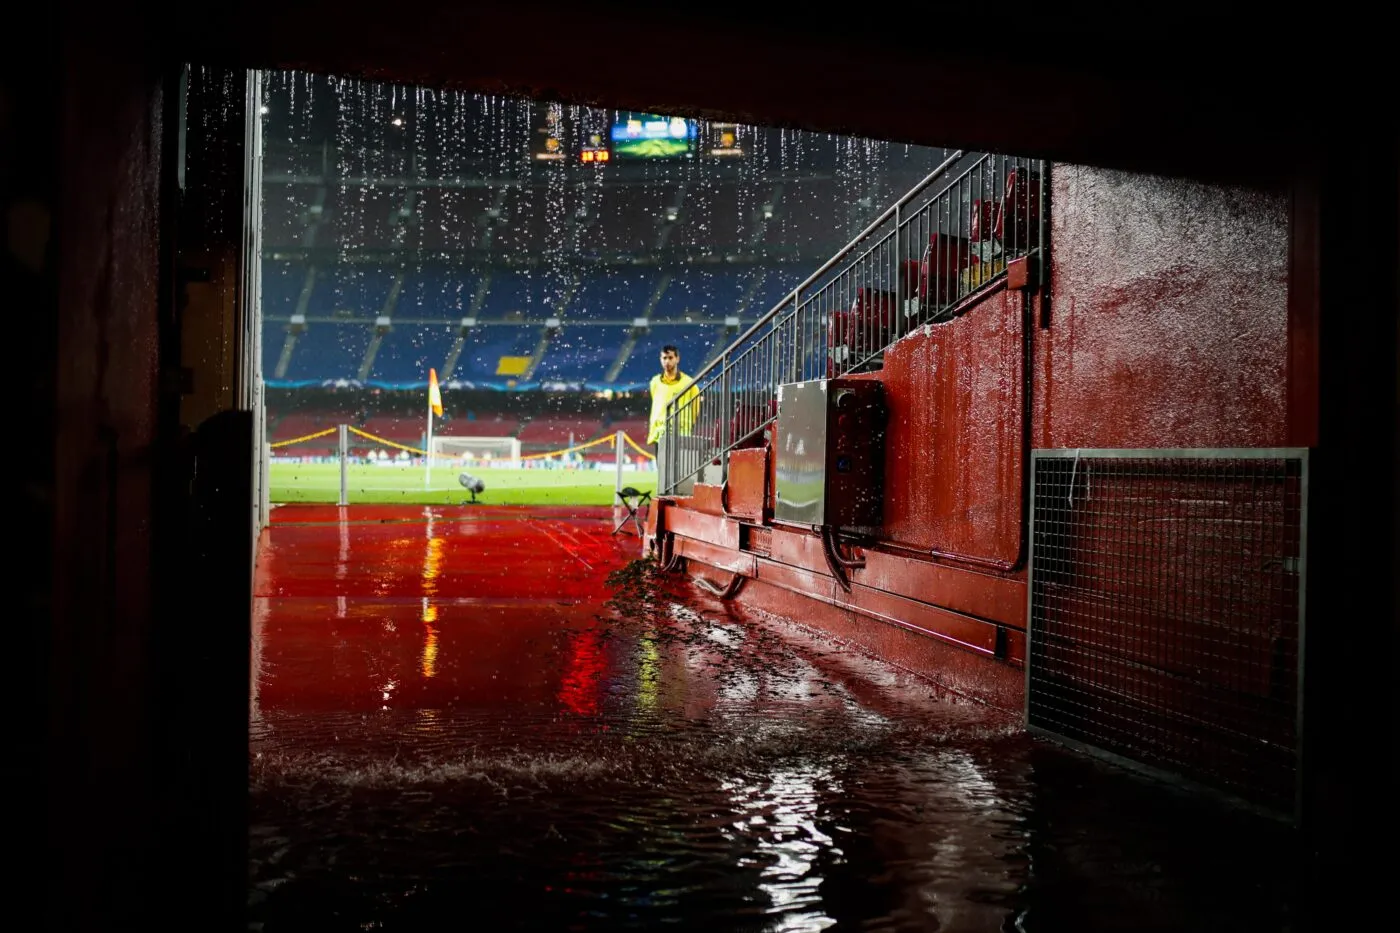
(595, 150)
(724, 141)
(549, 133)
(559, 133)
(636, 136)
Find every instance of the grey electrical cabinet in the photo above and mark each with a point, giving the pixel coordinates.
(831, 454)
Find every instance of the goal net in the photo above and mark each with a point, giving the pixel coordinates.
(482, 451)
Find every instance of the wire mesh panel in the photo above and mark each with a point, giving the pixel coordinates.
(1166, 611)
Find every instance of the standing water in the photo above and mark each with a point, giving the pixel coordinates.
(499, 719)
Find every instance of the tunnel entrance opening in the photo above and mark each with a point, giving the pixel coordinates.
(334, 655)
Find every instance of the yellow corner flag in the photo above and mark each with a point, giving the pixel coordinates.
(434, 393)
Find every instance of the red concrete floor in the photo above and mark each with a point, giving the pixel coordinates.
(451, 728)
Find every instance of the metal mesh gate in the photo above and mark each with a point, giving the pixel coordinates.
(1166, 612)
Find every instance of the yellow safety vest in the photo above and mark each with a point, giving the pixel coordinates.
(661, 394)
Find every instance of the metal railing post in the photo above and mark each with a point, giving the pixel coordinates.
(343, 440)
(726, 406)
(618, 441)
(665, 468)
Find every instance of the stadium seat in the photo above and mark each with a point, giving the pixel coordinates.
(854, 336)
(405, 429)
(554, 431)
(483, 426)
(943, 261)
(1018, 214)
(330, 351)
(611, 296)
(408, 351)
(581, 354)
(702, 294)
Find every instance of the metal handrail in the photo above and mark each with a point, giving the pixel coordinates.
(890, 279)
(827, 266)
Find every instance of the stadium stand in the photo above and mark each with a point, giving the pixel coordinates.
(434, 293)
(615, 295)
(510, 245)
(404, 429)
(703, 293)
(330, 351)
(487, 345)
(349, 291)
(581, 354)
(553, 432)
(470, 425)
(452, 218)
(408, 351)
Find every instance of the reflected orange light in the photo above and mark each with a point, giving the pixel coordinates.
(578, 692)
(432, 567)
(430, 642)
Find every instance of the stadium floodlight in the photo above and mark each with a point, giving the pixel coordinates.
(472, 484)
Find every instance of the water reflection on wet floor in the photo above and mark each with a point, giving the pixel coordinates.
(452, 730)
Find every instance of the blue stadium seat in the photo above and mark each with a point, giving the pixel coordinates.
(358, 290)
(581, 354)
(486, 345)
(777, 283)
(529, 293)
(612, 296)
(330, 351)
(443, 294)
(408, 351)
(281, 286)
(703, 293)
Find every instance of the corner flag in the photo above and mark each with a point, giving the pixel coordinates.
(434, 393)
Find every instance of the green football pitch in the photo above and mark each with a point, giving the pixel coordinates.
(370, 484)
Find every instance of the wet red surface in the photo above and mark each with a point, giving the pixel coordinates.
(432, 607)
(956, 450)
(1169, 320)
(457, 713)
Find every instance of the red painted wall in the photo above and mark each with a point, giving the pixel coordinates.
(1168, 327)
(1168, 316)
(955, 438)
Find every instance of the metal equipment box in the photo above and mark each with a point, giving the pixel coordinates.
(831, 454)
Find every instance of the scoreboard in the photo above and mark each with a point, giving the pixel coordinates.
(560, 133)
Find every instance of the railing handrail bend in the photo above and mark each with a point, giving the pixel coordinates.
(827, 266)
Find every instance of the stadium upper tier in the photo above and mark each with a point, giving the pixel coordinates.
(804, 215)
(503, 328)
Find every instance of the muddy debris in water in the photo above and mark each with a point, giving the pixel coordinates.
(660, 606)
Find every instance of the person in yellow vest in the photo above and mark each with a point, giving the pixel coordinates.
(666, 385)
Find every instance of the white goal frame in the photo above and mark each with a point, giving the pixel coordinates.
(451, 448)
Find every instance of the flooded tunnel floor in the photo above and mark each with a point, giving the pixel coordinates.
(492, 718)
